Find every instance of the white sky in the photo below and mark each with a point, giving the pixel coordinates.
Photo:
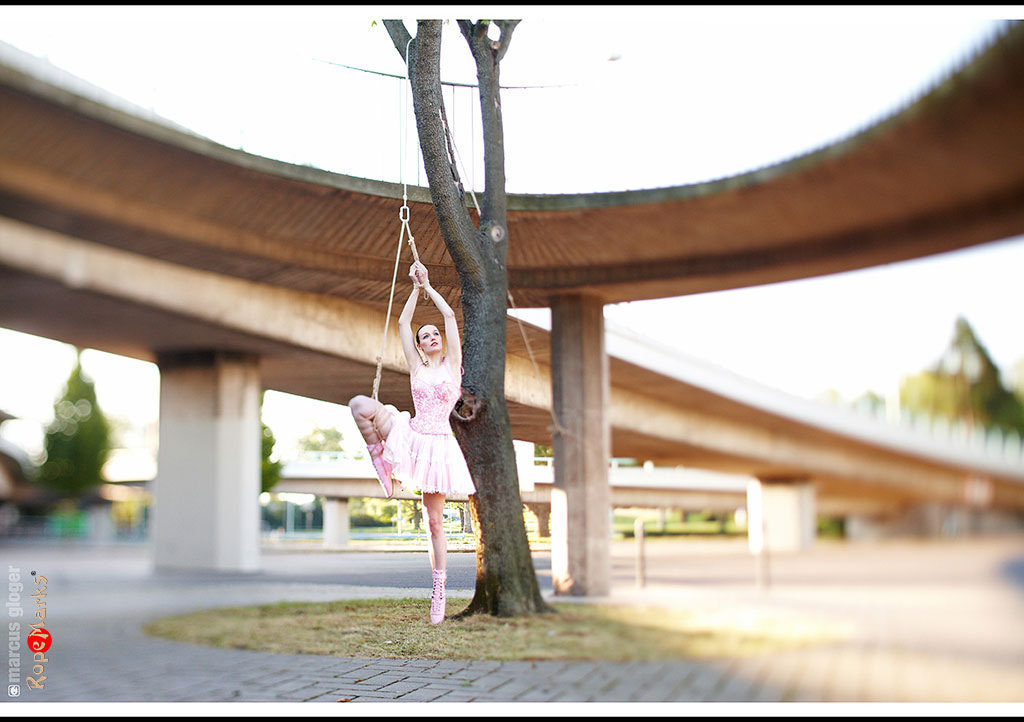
(654, 96)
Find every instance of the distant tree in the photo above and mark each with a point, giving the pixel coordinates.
(965, 384)
(1018, 379)
(542, 451)
(322, 439)
(410, 512)
(870, 400)
(830, 396)
(270, 471)
(930, 393)
(1015, 378)
(378, 511)
(77, 442)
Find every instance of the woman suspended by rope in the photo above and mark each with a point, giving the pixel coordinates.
(421, 453)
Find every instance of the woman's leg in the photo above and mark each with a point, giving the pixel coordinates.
(433, 520)
(372, 419)
(433, 517)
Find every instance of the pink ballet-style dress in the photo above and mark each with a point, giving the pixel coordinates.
(421, 452)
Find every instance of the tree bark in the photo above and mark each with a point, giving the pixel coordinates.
(506, 583)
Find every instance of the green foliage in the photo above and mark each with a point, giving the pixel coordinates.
(270, 471)
(929, 392)
(871, 400)
(831, 528)
(965, 384)
(365, 520)
(677, 523)
(1018, 375)
(321, 439)
(411, 512)
(372, 512)
(77, 442)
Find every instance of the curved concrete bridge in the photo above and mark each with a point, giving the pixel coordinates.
(235, 273)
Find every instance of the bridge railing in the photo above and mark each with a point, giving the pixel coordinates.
(994, 443)
(532, 470)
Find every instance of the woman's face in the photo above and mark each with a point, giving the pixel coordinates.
(429, 339)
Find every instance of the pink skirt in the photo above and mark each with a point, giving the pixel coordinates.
(429, 463)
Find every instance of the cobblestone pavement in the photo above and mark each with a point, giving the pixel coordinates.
(936, 621)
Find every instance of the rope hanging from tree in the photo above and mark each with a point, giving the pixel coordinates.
(403, 216)
(455, 160)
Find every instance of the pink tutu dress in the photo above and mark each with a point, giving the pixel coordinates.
(421, 452)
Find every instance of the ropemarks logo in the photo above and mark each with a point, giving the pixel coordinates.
(37, 640)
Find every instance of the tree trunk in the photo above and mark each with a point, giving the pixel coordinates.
(506, 583)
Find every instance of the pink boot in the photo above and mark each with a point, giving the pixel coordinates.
(382, 467)
(437, 600)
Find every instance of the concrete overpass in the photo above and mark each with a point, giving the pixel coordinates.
(234, 273)
(870, 509)
(336, 479)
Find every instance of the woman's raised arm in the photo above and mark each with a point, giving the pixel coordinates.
(453, 357)
(412, 356)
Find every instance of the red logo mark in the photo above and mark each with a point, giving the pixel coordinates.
(39, 640)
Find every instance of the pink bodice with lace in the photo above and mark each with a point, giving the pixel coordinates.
(434, 401)
(421, 453)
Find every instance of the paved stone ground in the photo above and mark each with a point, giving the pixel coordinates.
(938, 621)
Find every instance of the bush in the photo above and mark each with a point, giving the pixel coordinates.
(831, 528)
(365, 520)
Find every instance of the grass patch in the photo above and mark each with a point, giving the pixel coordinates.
(399, 629)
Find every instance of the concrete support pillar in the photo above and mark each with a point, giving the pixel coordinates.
(206, 511)
(543, 513)
(581, 497)
(781, 515)
(861, 527)
(336, 522)
(101, 524)
(524, 464)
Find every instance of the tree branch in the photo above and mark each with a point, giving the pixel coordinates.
(467, 30)
(399, 36)
(486, 54)
(505, 37)
(449, 203)
(477, 34)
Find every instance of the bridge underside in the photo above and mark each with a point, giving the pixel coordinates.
(944, 172)
(721, 435)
